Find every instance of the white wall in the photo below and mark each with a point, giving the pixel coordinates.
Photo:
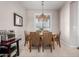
(78, 26)
(73, 23)
(54, 21)
(65, 23)
(7, 19)
(69, 24)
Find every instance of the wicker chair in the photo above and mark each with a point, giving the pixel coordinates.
(34, 40)
(47, 41)
(45, 31)
(56, 38)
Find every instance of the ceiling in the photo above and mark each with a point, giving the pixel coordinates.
(47, 4)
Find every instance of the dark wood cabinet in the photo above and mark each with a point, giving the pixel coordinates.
(9, 48)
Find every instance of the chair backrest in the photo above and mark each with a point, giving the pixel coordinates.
(47, 38)
(34, 38)
(58, 35)
(54, 35)
(38, 32)
(25, 35)
(45, 31)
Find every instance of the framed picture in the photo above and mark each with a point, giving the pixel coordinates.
(18, 20)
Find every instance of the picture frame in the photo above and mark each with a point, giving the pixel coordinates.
(18, 20)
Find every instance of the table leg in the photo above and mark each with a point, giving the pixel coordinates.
(9, 54)
(17, 48)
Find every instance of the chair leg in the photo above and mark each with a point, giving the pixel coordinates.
(51, 48)
(43, 48)
(30, 48)
(38, 49)
(59, 44)
(57, 41)
(25, 43)
(53, 45)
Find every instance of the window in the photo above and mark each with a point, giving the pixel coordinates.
(39, 24)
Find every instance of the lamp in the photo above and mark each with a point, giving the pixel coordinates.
(42, 17)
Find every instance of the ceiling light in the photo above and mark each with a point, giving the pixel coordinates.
(42, 17)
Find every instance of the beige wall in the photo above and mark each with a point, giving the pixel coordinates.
(7, 19)
(54, 24)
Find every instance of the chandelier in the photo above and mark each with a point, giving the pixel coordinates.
(42, 17)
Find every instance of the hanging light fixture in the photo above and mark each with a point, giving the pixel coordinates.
(42, 17)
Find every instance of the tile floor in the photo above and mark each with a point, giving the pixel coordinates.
(58, 52)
